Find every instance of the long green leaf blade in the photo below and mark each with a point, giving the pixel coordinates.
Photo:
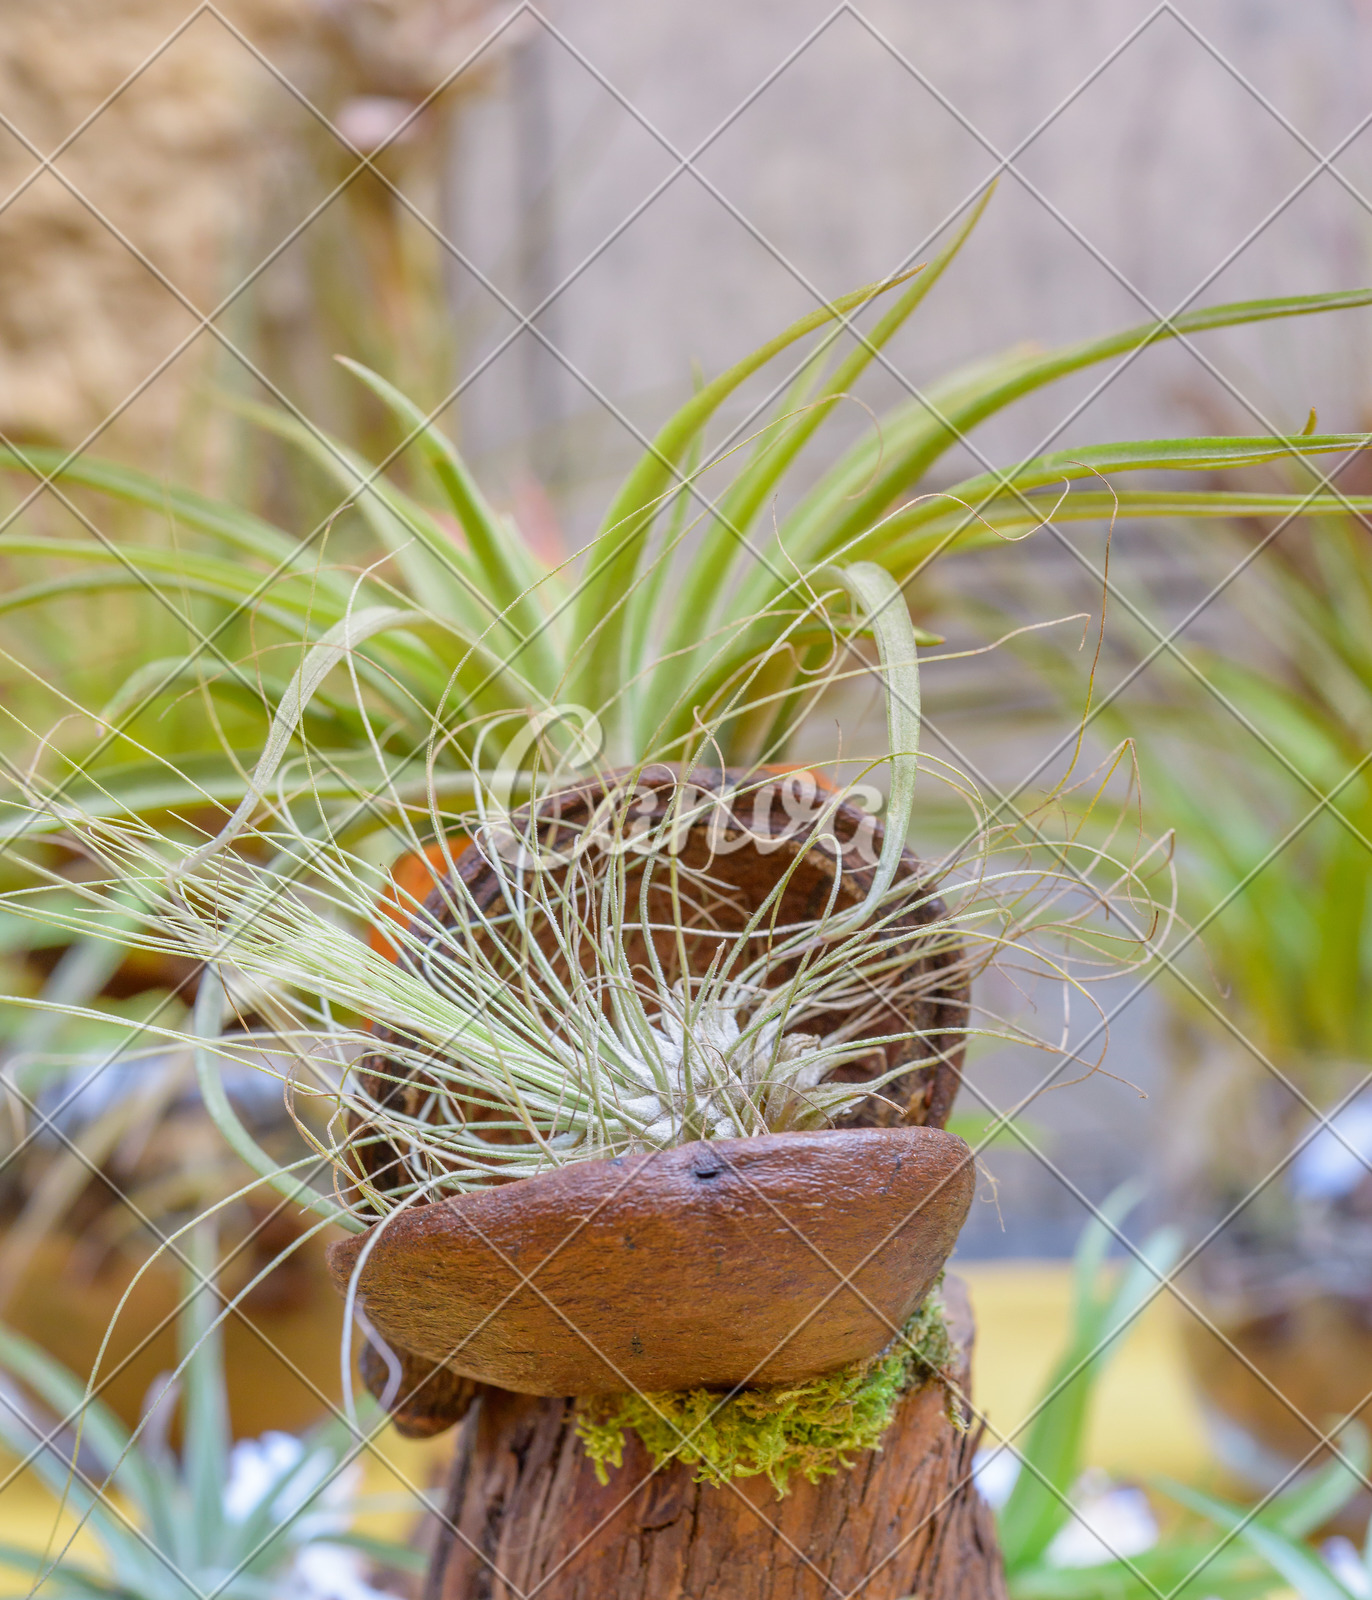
(510, 570)
(745, 497)
(612, 559)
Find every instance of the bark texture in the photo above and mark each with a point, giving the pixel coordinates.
(525, 1514)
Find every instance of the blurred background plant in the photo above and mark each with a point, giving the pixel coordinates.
(1252, 743)
(1069, 1531)
(268, 1516)
(1276, 844)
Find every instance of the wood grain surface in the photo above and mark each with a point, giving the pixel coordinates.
(714, 1263)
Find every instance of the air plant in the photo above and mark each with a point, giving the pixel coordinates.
(432, 686)
(476, 675)
(557, 1017)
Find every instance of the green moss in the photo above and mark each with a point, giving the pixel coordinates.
(811, 1428)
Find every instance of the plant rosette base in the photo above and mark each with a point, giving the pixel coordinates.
(716, 1264)
(744, 844)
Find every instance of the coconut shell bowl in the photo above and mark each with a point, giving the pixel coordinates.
(719, 1263)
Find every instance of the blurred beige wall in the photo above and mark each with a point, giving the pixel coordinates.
(846, 147)
(204, 163)
(833, 151)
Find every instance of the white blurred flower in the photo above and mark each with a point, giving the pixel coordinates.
(1110, 1520)
(994, 1472)
(275, 1468)
(256, 1466)
(1344, 1561)
(330, 1572)
(1336, 1160)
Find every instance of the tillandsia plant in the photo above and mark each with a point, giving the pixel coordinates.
(435, 685)
(605, 986)
(636, 963)
(689, 609)
(685, 592)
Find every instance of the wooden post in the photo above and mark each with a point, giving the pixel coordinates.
(525, 1515)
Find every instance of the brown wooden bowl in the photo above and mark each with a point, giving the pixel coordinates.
(712, 1264)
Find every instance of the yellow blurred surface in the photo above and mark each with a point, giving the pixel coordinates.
(1145, 1421)
(30, 1517)
(393, 1471)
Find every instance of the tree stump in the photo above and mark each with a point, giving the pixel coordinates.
(525, 1514)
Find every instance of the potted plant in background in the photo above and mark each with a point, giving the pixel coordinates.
(1251, 743)
(105, 1149)
(1276, 863)
(1069, 1532)
(99, 1177)
(271, 1515)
